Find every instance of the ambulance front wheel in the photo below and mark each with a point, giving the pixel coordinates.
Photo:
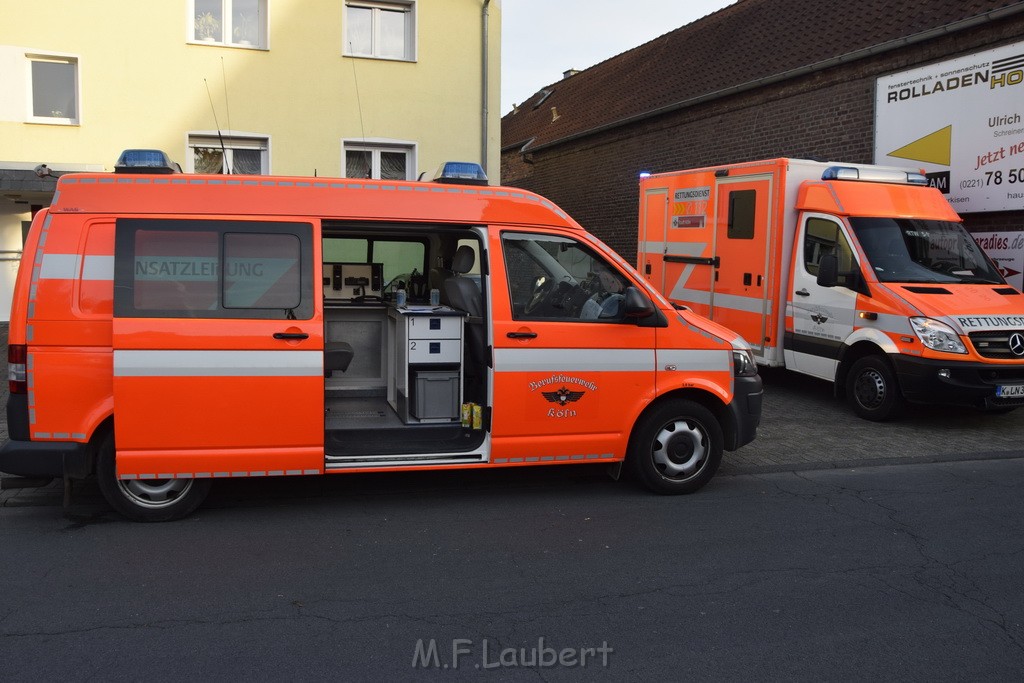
(146, 500)
(872, 390)
(676, 447)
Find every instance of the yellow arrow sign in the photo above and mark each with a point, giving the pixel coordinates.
(933, 148)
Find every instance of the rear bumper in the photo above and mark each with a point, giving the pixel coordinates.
(968, 384)
(45, 459)
(744, 412)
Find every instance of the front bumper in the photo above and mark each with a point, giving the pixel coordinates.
(45, 459)
(967, 384)
(744, 412)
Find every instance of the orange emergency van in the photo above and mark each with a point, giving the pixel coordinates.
(861, 275)
(168, 330)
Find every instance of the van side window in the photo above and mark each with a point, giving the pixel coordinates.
(399, 257)
(556, 278)
(822, 236)
(212, 269)
(261, 271)
(741, 214)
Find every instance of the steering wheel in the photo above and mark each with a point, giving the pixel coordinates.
(947, 267)
(539, 296)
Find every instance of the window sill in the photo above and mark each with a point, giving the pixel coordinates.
(379, 59)
(239, 46)
(46, 121)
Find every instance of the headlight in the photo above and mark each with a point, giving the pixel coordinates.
(743, 364)
(937, 336)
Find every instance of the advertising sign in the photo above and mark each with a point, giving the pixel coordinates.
(962, 121)
(1006, 249)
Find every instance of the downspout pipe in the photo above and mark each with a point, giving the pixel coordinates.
(484, 113)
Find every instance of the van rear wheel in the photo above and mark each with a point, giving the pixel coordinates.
(676, 447)
(872, 390)
(146, 500)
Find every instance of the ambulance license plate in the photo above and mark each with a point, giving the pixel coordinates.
(1010, 391)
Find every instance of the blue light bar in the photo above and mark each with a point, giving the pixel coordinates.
(461, 172)
(874, 175)
(145, 161)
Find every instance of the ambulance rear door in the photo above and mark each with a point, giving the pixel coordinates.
(739, 298)
(218, 348)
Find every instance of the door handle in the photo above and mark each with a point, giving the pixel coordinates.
(802, 292)
(291, 335)
(521, 335)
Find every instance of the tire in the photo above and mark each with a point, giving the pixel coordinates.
(676, 447)
(146, 500)
(872, 390)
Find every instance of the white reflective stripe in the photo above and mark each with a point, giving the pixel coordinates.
(693, 296)
(130, 363)
(573, 360)
(652, 247)
(59, 267)
(695, 359)
(748, 304)
(674, 248)
(98, 268)
(684, 248)
(887, 322)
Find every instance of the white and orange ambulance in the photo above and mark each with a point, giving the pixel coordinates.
(861, 275)
(169, 329)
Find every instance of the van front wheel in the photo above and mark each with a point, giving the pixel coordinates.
(872, 390)
(146, 500)
(677, 447)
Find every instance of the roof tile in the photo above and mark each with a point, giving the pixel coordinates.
(741, 43)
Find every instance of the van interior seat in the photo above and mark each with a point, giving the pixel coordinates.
(464, 294)
(461, 291)
(337, 356)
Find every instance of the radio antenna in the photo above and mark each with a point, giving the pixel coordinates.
(227, 107)
(220, 137)
(359, 103)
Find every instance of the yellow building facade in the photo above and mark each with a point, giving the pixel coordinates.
(339, 88)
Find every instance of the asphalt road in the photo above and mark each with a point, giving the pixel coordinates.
(903, 572)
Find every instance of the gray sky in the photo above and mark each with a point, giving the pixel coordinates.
(542, 38)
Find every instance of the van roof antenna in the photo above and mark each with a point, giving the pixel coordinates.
(220, 137)
(227, 109)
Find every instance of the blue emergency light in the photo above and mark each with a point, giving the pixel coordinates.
(461, 173)
(145, 161)
(874, 175)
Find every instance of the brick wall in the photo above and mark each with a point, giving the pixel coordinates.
(826, 114)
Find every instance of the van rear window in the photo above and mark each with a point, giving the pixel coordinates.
(213, 269)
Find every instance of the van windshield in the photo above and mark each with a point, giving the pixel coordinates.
(914, 250)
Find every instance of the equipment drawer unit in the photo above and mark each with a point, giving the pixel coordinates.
(431, 336)
(423, 338)
(435, 327)
(434, 350)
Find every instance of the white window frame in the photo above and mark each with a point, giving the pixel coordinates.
(376, 146)
(232, 140)
(407, 6)
(262, 41)
(58, 57)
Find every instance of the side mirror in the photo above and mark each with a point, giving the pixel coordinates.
(828, 271)
(637, 305)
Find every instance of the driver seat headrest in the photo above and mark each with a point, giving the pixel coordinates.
(463, 260)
